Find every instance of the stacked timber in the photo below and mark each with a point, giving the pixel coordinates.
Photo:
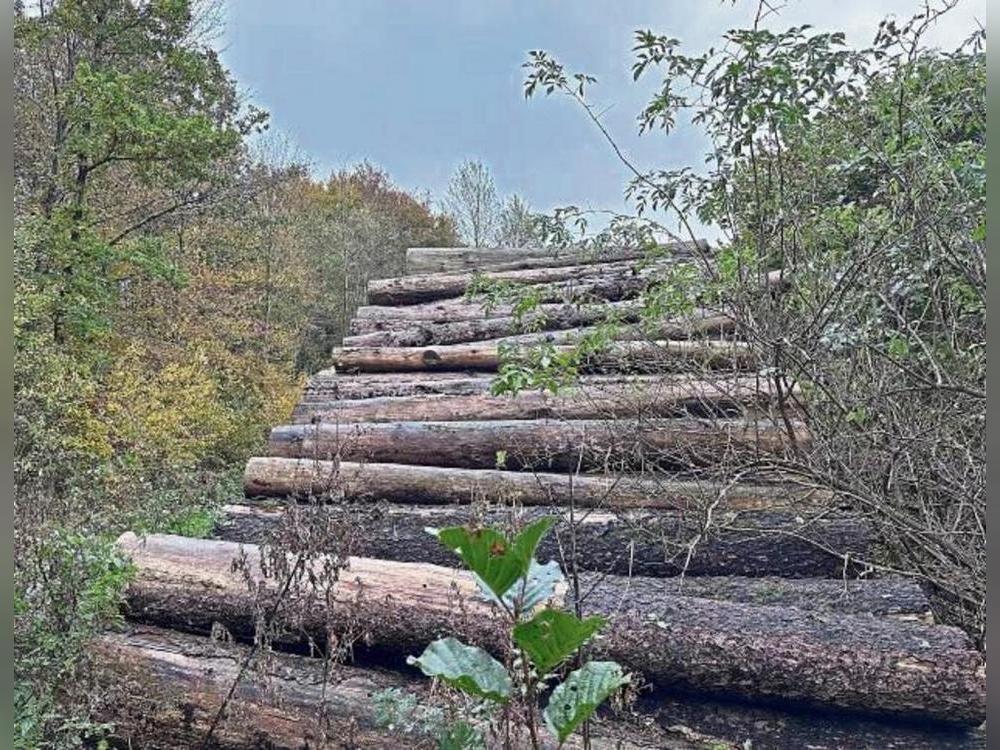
(728, 591)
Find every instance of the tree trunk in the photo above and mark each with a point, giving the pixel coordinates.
(723, 397)
(542, 445)
(854, 662)
(757, 543)
(403, 483)
(568, 318)
(163, 689)
(329, 385)
(742, 724)
(898, 598)
(427, 260)
(628, 356)
(454, 319)
(409, 290)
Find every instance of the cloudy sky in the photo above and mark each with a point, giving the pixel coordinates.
(419, 85)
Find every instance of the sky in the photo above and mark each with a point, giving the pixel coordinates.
(417, 86)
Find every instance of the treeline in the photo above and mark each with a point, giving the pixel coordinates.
(177, 272)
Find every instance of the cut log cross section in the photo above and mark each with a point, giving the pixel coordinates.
(727, 578)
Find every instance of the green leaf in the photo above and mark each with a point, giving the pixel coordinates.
(575, 700)
(468, 668)
(537, 586)
(497, 561)
(552, 636)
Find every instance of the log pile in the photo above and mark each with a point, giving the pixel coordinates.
(728, 597)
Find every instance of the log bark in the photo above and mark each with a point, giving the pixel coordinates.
(616, 275)
(427, 260)
(162, 689)
(308, 479)
(855, 662)
(628, 356)
(189, 584)
(870, 665)
(702, 323)
(777, 727)
(330, 385)
(759, 543)
(722, 397)
(536, 444)
(894, 597)
(473, 319)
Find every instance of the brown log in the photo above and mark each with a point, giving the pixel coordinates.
(509, 328)
(427, 260)
(664, 398)
(537, 444)
(162, 690)
(895, 597)
(475, 320)
(854, 662)
(757, 543)
(403, 483)
(774, 727)
(870, 665)
(616, 275)
(189, 584)
(630, 356)
(330, 385)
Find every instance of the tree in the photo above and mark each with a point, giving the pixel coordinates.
(517, 225)
(472, 200)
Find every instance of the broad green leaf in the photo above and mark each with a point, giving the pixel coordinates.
(552, 636)
(574, 700)
(530, 590)
(468, 668)
(496, 560)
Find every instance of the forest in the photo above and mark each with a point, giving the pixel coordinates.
(184, 282)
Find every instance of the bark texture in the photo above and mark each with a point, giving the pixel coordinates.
(163, 689)
(308, 479)
(720, 397)
(758, 543)
(541, 445)
(425, 260)
(408, 290)
(618, 356)
(853, 662)
(575, 317)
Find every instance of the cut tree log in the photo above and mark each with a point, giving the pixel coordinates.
(475, 321)
(872, 665)
(663, 543)
(700, 323)
(410, 290)
(538, 444)
(735, 396)
(854, 662)
(895, 597)
(308, 479)
(329, 385)
(162, 690)
(427, 260)
(746, 725)
(628, 356)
